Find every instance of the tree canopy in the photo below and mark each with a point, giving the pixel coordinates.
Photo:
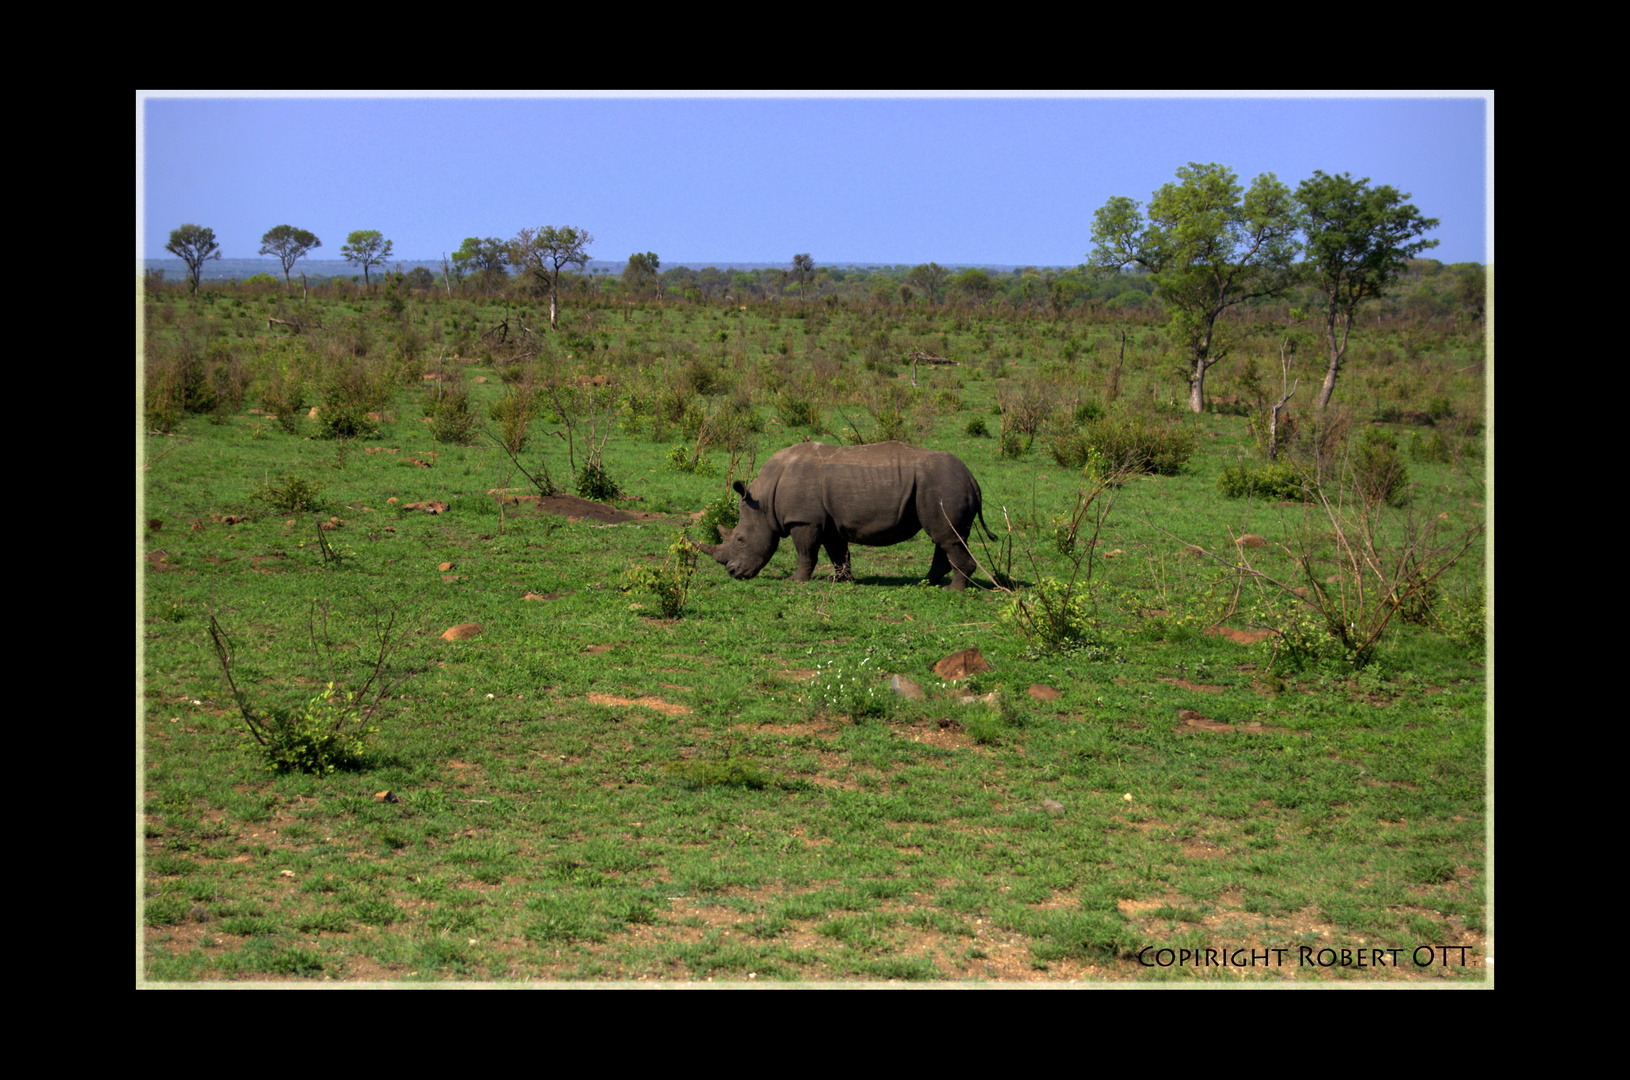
(931, 278)
(642, 270)
(1359, 240)
(195, 245)
(543, 252)
(365, 248)
(288, 244)
(482, 259)
(803, 269)
(1207, 248)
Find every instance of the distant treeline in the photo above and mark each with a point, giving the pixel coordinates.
(1429, 288)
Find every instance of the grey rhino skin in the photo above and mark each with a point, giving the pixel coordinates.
(834, 496)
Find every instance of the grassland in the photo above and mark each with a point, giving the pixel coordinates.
(584, 790)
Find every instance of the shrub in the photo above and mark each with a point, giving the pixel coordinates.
(1138, 443)
(593, 482)
(1378, 469)
(795, 411)
(670, 581)
(513, 413)
(1055, 614)
(682, 458)
(720, 517)
(329, 733)
(1275, 483)
(451, 420)
(290, 494)
(976, 427)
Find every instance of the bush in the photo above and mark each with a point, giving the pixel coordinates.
(1273, 483)
(976, 427)
(593, 482)
(1053, 613)
(720, 517)
(329, 733)
(512, 413)
(290, 494)
(795, 411)
(451, 420)
(670, 581)
(1379, 472)
(1138, 443)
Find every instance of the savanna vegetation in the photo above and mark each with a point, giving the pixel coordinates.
(435, 686)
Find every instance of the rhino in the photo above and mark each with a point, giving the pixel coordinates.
(833, 496)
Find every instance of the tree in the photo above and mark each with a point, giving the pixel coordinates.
(288, 244)
(544, 252)
(195, 245)
(642, 270)
(484, 260)
(365, 248)
(1208, 250)
(803, 268)
(975, 284)
(930, 277)
(1359, 240)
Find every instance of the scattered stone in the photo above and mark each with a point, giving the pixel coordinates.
(1250, 540)
(1052, 806)
(446, 566)
(392, 499)
(461, 631)
(1044, 693)
(906, 688)
(988, 699)
(959, 665)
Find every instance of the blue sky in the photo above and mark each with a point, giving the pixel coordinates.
(952, 179)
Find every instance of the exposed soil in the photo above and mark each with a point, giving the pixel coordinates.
(573, 508)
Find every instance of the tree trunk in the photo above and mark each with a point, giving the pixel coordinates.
(1336, 352)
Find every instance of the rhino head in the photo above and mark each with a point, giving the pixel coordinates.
(748, 547)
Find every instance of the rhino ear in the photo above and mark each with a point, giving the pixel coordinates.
(741, 488)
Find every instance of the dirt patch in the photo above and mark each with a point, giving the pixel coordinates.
(664, 707)
(1244, 637)
(931, 733)
(573, 508)
(1194, 721)
(1200, 687)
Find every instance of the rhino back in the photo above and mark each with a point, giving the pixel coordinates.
(876, 494)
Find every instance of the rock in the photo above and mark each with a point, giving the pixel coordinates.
(1052, 806)
(959, 665)
(906, 688)
(446, 566)
(462, 631)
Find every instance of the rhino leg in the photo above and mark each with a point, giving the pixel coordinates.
(806, 541)
(956, 558)
(837, 549)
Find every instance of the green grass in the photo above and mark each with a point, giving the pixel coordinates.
(586, 790)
